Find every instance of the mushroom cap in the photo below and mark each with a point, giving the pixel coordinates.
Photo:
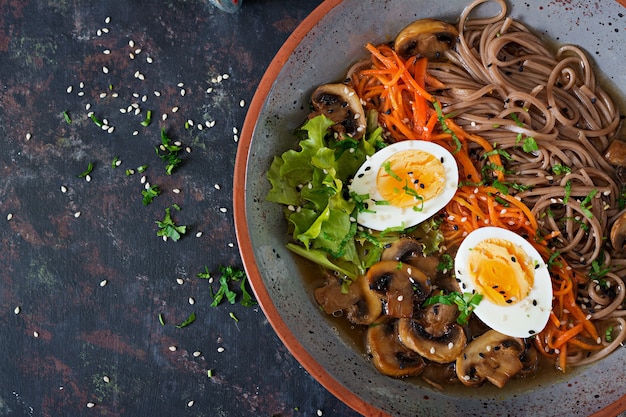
(399, 285)
(492, 356)
(368, 307)
(361, 305)
(342, 105)
(615, 154)
(444, 348)
(425, 38)
(388, 355)
(618, 233)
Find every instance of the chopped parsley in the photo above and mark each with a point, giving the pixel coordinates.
(446, 263)
(187, 321)
(168, 228)
(228, 275)
(465, 302)
(169, 152)
(560, 169)
(67, 117)
(149, 194)
(87, 171)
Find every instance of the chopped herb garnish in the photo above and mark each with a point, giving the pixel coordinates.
(87, 171)
(168, 152)
(586, 205)
(232, 316)
(96, 120)
(530, 145)
(146, 122)
(230, 274)
(142, 168)
(67, 117)
(168, 228)
(466, 303)
(608, 334)
(559, 169)
(115, 162)
(446, 263)
(187, 321)
(444, 126)
(161, 319)
(568, 191)
(389, 171)
(204, 275)
(149, 194)
(553, 260)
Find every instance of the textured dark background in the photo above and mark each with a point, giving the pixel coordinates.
(83, 275)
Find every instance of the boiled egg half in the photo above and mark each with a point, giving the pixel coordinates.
(512, 277)
(404, 184)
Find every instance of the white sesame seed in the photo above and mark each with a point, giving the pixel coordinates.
(217, 186)
(81, 93)
(99, 32)
(235, 130)
(191, 301)
(17, 310)
(105, 70)
(319, 413)
(36, 333)
(182, 91)
(90, 405)
(209, 90)
(180, 84)
(164, 116)
(81, 84)
(135, 133)
(225, 76)
(144, 98)
(199, 234)
(231, 245)
(131, 43)
(107, 20)
(190, 122)
(236, 138)
(223, 209)
(9, 216)
(122, 111)
(188, 149)
(137, 111)
(106, 379)
(103, 95)
(110, 130)
(88, 178)
(131, 55)
(432, 350)
(28, 136)
(176, 191)
(143, 179)
(450, 345)
(197, 354)
(149, 60)
(174, 109)
(137, 51)
(242, 103)
(157, 93)
(106, 51)
(103, 283)
(220, 349)
(141, 77)
(172, 348)
(180, 281)
(190, 403)
(77, 214)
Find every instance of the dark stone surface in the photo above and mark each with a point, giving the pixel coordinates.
(85, 267)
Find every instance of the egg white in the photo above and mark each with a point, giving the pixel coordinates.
(526, 317)
(383, 217)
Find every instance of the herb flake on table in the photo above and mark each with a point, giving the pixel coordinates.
(168, 228)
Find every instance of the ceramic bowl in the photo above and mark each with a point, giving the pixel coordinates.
(319, 51)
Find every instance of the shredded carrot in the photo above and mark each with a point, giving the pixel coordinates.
(398, 90)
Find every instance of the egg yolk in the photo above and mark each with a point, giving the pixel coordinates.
(410, 178)
(501, 271)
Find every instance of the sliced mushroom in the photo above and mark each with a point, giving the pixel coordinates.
(425, 38)
(342, 105)
(439, 375)
(399, 285)
(618, 233)
(331, 297)
(530, 360)
(492, 356)
(388, 355)
(615, 154)
(368, 307)
(443, 348)
(410, 251)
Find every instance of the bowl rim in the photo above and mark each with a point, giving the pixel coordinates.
(241, 224)
(245, 244)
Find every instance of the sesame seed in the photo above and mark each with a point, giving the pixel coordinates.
(103, 283)
(157, 93)
(135, 133)
(242, 103)
(28, 136)
(432, 350)
(209, 90)
(190, 403)
(17, 310)
(36, 333)
(106, 379)
(137, 51)
(235, 130)
(199, 234)
(191, 301)
(231, 245)
(180, 281)
(223, 209)
(172, 348)
(131, 43)
(174, 109)
(217, 186)
(236, 138)
(99, 32)
(319, 413)
(81, 93)
(88, 178)
(90, 405)
(197, 353)
(176, 191)
(164, 116)
(77, 214)
(103, 95)
(9, 216)
(131, 55)
(105, 70)
(149, 60)
(220, 349)
(182, 91)
(107, 20)
(69, 89)
(106, 51)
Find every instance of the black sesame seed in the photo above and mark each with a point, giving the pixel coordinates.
(531, 332)
(535, 303)
(513, 259)
(360, 175)
(509, 301)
